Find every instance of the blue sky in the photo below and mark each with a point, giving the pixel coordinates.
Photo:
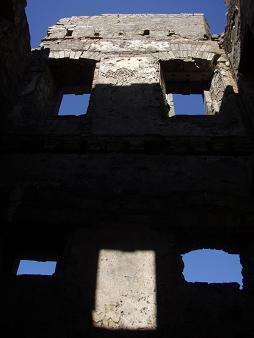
(45, 13)
(213, 266)
(27, 267)
(189, 104)
(74, 104)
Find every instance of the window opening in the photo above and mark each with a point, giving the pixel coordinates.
(192, 104)
(146, 32)
(74, 81)
(212, 266)
(69, 32)
(186, 87)
(74, 104)
(31, 267)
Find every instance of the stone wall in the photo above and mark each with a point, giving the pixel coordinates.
(14, 54)
(118, 60)
(240, 28)
(239, 39)
(118, 195)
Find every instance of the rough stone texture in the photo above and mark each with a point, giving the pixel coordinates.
(239, 42)
(14, 54)
(117, 63)
(114, 26)
(116, 196)
(125, 290)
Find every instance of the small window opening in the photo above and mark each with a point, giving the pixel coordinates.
(96, 34)
(146, 32)
(74, 104)
(74, 83)
(186, 87)
(212, 266)
(30, 267)
(69, 32)
(170, 33)
(192, 104)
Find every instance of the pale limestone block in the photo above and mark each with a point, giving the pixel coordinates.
(72, 54)
(61, 54)
(126, 290)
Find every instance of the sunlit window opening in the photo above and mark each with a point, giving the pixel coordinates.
(29, 267)
(74, 104)
(212, 266)
(125, 290)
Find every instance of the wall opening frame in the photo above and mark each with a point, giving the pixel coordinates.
(188, 77)
(72, 77)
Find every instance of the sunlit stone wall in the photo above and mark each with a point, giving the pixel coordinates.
(126, 290)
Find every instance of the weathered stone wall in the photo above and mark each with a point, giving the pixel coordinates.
(127, 79)
(232, 36)
(129, 62)
(239, 25)
(239, 41)
(14, 54)
(111, 26)
(117, 196)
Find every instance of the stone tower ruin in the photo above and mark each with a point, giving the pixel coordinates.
(117, 195)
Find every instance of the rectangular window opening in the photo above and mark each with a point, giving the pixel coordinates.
(186, 87)
(74, 82)
(32, 267)
(69, 32)
(192, 104)
(74, 104)
(212, 266)
(146, 32)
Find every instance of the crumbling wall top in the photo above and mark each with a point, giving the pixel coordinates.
(161, 26)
